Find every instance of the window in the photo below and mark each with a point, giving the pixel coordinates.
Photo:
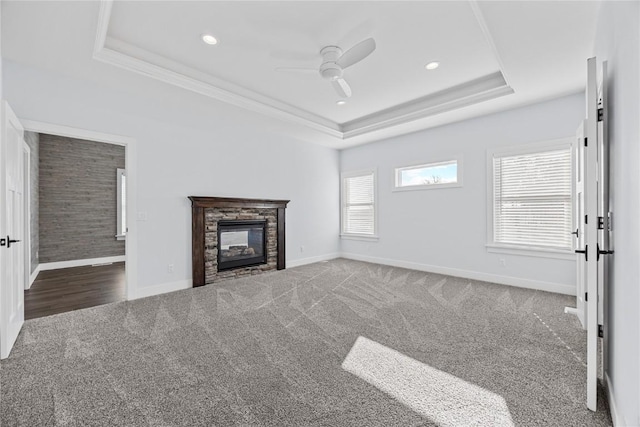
(431, 175)
(359, 204)
(121, 194)
(531, 197)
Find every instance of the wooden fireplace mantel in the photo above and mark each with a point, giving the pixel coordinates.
(198, 206)
(229, 202)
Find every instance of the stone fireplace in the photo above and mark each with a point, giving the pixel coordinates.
(236, 237)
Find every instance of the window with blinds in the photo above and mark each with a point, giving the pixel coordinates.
(532, 199)
(358, 203)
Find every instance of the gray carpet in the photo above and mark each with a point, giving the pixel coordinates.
(340, 343)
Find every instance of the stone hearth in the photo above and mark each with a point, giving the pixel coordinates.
(207, 212)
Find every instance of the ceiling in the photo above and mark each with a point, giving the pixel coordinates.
(492, 55)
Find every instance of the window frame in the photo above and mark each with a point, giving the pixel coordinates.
(121, 234)
(457, 184)
(354, 174)
(524, 149)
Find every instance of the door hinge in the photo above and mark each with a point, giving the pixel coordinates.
(600, 223)
(600, 114)
(585, 141)
(600, 331)
(586, 296)
(586, 219)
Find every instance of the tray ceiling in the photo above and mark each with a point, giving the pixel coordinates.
(494, 56)
(391, 86)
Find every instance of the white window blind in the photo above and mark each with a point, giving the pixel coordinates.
(532, 199)
(358, 203)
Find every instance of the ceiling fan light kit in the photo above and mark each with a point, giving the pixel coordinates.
(330, 71)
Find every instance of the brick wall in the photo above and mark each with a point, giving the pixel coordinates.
(78, 199)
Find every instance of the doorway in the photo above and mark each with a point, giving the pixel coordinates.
(82, 253)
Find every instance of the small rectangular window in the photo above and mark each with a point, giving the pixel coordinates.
(431, 175)
(122, 204)
(359, 203)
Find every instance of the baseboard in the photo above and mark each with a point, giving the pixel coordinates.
(311, 260)
(616, 417)
(163, 288)
(474, 275)
(80, 262)
(32, 276)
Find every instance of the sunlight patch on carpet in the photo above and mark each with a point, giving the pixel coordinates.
(441, 397)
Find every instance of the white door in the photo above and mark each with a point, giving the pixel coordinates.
(579, 225)
(12, 228)
(605, 241)
(591, 248)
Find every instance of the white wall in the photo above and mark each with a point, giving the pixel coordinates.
(444, 230)
(618, 43)
(1, 94)
(190, 145)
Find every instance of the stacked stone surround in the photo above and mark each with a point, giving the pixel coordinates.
(211, 218)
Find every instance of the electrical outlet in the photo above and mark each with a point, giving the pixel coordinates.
(170, 268)
(301, 248)
(142, 216)
(503, 262)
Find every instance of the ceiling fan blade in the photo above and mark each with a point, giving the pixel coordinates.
(296, 70)
(285, 55)
(342, 87)
(357, 53)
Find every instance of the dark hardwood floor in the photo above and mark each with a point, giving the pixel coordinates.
(67, 289)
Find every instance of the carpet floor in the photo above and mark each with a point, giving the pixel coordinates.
(338, 343)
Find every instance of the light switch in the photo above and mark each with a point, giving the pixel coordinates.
(142, 216)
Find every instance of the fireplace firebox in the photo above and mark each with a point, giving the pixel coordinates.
(241, 244)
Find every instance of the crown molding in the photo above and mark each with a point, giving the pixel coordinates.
(463, 95)
(132, 58)
(104, 16)
(477, 12)
(254, 102)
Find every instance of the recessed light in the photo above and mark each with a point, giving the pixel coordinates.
(341, 102)
(432, 65)
(209, 39)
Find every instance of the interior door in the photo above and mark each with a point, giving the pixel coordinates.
(603, 194)
(605, 240)
(591, 226)
(579, 226)
(12, 230)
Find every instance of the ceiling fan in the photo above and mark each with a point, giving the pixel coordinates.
(334, 61)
